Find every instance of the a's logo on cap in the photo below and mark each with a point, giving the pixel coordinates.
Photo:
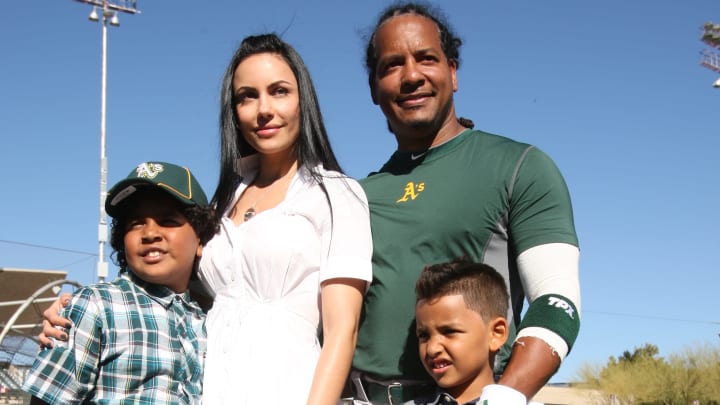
(149, 170)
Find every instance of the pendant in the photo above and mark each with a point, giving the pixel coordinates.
(249, 214)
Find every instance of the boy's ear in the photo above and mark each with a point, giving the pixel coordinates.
(498, 332)
(198, 251)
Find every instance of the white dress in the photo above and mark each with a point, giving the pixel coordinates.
(265, 275)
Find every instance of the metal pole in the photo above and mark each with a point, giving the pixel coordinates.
(102, 266)
(109, 9)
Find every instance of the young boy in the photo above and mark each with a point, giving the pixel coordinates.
(140, 338)
(461, 320)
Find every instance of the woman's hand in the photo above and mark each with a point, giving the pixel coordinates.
(54, 325)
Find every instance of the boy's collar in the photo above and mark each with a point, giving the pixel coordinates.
(163, 295)
(440, 397)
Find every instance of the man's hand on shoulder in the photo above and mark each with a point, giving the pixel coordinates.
(51, 319)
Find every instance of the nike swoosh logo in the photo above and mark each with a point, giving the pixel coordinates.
(418, 156)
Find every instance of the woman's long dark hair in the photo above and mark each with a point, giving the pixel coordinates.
(313, 145)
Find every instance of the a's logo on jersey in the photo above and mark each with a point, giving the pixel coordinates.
(411, 191)
(149, 170)
(562, 304)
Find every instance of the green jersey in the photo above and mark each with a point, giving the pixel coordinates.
(479, 195)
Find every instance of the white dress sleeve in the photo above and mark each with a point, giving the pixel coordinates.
(346, 236)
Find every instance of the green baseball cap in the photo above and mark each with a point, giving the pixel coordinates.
(176, 180)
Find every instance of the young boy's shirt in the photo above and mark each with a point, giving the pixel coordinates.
(441, 397)
(131, 342)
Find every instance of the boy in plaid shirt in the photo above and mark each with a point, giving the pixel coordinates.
(140, 338)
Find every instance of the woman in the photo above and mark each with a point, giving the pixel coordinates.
(292, 259)
(294, 246)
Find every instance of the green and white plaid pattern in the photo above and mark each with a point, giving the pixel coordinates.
(131, 343)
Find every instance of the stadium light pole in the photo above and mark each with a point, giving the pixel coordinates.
(108, 14)
(711, 58)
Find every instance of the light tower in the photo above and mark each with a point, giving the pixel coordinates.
(710, 57)
(109, 13)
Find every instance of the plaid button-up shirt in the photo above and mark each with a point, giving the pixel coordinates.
(131, 342)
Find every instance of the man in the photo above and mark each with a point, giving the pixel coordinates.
(448, 192)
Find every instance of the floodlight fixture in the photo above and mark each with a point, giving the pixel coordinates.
(711, 34)
(710, 60)
(114, 20)
(94, 15)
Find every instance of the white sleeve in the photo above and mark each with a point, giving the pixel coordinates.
(552, 268)
(347, 237)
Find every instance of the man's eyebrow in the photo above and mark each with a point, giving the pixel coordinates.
(392, 56)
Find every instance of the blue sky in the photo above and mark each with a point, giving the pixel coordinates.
(612, 90)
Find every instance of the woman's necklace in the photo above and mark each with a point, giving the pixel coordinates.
(251, 212)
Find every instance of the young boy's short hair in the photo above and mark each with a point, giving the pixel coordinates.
(133, 340)
(461, 321)
(482, 287)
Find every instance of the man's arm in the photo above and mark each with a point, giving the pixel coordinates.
(549, 274)
(531, 365)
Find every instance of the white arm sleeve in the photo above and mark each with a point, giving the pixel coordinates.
(550, 269)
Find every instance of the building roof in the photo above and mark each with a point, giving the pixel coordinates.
(34, 290)
(566, 394)
(18, 286)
